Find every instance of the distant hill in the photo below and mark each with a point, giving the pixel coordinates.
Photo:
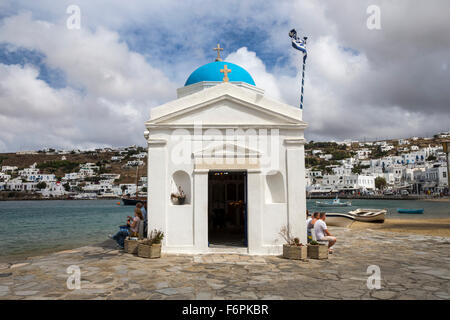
(57, 166)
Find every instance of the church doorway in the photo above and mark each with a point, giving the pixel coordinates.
(227, 208)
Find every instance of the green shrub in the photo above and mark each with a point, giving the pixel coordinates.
(66, 165)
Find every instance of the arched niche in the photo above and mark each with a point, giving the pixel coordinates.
(181, 179)
(275, 189)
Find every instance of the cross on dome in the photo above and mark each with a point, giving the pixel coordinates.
(225, 72)
(218, 49)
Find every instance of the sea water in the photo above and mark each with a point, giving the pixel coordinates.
(30, 228)
(35, 227)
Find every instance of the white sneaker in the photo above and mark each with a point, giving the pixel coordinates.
(110, 236)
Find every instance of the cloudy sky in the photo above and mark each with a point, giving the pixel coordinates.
(94, 86)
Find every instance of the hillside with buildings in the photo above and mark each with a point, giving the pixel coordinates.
(89, 174)
(388, 167)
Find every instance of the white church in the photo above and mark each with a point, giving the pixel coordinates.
(238, 157)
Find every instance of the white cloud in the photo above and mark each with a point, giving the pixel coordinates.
(254, 65)
(109, 94)
(337, 104)
(395, 85)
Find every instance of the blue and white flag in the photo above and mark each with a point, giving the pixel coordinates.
(299, 44)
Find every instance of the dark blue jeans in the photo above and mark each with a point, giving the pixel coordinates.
(120, 237)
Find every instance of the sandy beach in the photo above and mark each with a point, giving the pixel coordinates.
(430, 227)
(438, 200)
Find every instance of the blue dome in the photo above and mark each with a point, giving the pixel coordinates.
(211, 72)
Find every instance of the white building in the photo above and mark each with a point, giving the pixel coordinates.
(110, 176)
(134, 163)
(142, 155)
(53, 190)
(343, 170)
(85, 172)
(239, 158)
(363, 153)
(71, 176)
(433, 179)
(387, 147)
(128, 188)
(9, 169)
(444, 135)
(348, 182)
(4, 177)
(326, 156)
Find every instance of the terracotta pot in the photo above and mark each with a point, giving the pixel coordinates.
(177, 200)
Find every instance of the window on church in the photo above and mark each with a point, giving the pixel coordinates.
(181, 179)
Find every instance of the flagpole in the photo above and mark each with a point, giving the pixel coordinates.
(301, 46)
(303, 82)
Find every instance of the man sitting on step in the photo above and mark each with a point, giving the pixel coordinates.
(322, 233)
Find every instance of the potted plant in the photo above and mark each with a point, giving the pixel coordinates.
(293, 248)
(178, 197)
(317, 250)
(131, 245)
(151, 247)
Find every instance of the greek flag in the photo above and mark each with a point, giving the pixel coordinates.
(299, 44)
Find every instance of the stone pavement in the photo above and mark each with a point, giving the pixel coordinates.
(411, 267)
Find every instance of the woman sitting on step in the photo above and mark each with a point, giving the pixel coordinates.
(133, 224)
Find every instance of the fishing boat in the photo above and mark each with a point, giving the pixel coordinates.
(369, 215)
(339, 219)
(335, 203)
(132, 201)
(411, 211)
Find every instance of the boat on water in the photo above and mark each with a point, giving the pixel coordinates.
(133, 201)
(369, 215)
(335, 203)
(411, 211)
(339, 219)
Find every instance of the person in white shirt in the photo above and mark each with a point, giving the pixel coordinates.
(322, 233)
(310, 224)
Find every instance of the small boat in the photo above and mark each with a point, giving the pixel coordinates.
(335, 203)
(369, 215)
(133, 201)
(339, 219)
(412, 211)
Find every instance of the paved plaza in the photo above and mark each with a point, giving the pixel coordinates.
(411, 267)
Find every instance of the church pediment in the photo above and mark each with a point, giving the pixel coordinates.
(227, 150)
(226, 105)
